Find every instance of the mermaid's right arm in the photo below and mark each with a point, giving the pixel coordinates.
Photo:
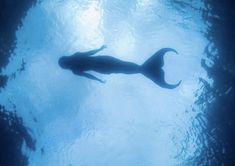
(87, 75)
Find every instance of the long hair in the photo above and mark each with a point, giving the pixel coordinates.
(63, 62)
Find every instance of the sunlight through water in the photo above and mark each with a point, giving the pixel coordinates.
(129, 120)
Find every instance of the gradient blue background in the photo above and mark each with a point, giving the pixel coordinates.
(128, 120)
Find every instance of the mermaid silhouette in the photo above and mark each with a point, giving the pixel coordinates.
(81, 62)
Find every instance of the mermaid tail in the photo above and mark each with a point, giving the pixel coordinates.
(152, 68)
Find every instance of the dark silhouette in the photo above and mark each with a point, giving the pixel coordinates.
(81, 62)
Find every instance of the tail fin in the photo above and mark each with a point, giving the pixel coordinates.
(152, 69)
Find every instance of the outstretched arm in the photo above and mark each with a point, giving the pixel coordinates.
(87, 75)
(89, 53)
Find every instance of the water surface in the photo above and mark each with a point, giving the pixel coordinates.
(128, 120)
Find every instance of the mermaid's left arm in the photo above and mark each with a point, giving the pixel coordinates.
(89, 53)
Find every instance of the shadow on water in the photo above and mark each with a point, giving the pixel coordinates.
(12, 131)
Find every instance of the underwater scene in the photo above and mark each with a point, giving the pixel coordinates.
(117, 83)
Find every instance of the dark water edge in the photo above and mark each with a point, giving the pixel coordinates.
(216, 100)
(13, 133)
(11, 14)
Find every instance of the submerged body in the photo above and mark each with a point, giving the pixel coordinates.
(103, 64)
(81, 62)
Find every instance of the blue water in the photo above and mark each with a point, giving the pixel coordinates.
(128, 120)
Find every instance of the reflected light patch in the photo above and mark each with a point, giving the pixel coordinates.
(125, 42)
(81, 21)
(144, 3)
(90, 22)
